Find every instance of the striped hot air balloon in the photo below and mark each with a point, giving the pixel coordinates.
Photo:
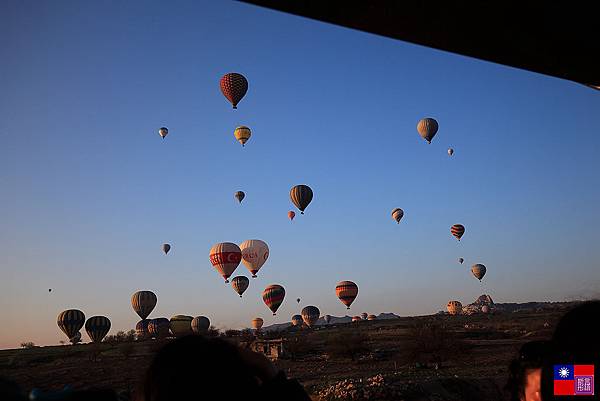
(478, 271)
(346, 291)
(200, 324)
(225, 257)
(159, 327)
(254, 254)
(397, 214)
(181, 325)
(242, 134)
(70, 321)
(141, 329)
(454, 307)
(163, 131)
(234, 86)
(97, 327)
(273, 297)
(257, 323)
(297, 320)
(457, 230)
(427, 128)
(240, 284)
(301, 196)
(143, 302)
(310, 315)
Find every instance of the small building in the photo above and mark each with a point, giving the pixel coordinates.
(272, 349)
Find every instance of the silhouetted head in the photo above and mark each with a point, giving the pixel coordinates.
(198, 368)
(576, 341)
(524, 371)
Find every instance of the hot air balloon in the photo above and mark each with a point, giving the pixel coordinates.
(298, 300)
(181, 325)
(70, 321)
(478, 271)
(457, 230)
(273, 297)
(310, 315)
(364, 316)
(346, 291)
(454, 307)
(397, 214)
(427, 128)
(97, 327)
(166, 248)
(225, 257)
(240, 284)
(327, 318)
(257, 323)
(163, 131)
(200, 324)
(76, 338)
(49, 289)
(291, 214)
(242, 134)
(297, 320)
(450, 151)
(461, 260)
(301, 196)
(485, 309)
(371, 317)
(234, 86)
(159, 327)
(141, 329)
(143, 302)
(254, 255)
(356, 318)
(240, 195)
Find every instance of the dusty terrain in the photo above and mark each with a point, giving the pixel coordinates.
(388, 361)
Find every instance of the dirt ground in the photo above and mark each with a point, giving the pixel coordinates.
(388, 368)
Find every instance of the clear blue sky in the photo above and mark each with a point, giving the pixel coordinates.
(89, 190)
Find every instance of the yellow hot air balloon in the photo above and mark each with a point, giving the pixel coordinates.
(242, 134)
(181, 325)
(257, 323)
(454, 307)
(254, 254)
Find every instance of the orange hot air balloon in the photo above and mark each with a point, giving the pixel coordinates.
(257, 323)
(225, 257)
(291, 214)
(427, 128)
(234, 86)
(457, 230)
(273, 297)
(346, 291)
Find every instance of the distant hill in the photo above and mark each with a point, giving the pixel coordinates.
(334, 320)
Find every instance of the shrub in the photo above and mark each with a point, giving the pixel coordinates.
(299, 346)
(232, 333)
(127, 349)
(121, 337)
(433, 342)
(348, 345)
(27, 344)
(213, 332)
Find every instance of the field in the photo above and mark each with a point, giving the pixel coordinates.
(436, 357)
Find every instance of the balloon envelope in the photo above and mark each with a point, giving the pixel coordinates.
(291, 214)
(356, 318)
(457, 230)
(297, 320)
(273, 297)
(97, 327)
(239, 195)
(364, 316)
(310, 315)
(478, 270)
(450, 151)
(159, 327)
(141, 329)
(257, 323)
(166, 248)
(461, 260)
(240, 284)
(70, 321)
(163, 131)
(181, 325)
(427, 128)
(143, 302)
(371, 317)
(234, 86)
(225, 257)
(301, 196)
(397, 214)
(200, 324)
(347, 292)
(254, 254)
